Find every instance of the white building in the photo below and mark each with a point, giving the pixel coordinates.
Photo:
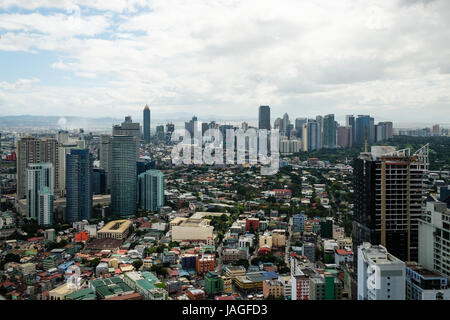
(434, 235)
(381, 276)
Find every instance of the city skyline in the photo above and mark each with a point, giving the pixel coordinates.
(95, 59)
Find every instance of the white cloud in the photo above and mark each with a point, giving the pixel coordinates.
(226, 57)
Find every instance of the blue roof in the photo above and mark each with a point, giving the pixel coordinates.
(270, 275)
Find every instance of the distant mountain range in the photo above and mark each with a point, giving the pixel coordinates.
(28, 121)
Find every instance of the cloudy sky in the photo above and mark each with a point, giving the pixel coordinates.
(224, 58)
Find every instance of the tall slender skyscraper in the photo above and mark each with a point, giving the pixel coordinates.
(79, 177)
(147, 124)
(123, 175)
(105, 157)
(40, 192)
(389, 194)
(329, 132)
(350, 122)
(264, 117)
(151, 190)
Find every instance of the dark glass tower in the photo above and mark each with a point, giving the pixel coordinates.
(264, 117)
(147, 124)
(123, 175)
(79, 185)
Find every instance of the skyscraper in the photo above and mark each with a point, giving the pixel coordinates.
(350, 122)
(123, 175)
(329, 132)
(299, 126)
(363, 130)
(105, 157)
(151, 190)
(79, 177)
(389, 197)
(264, 118)
(310, 139)
(33, 150)
(129, 128)
(344, 137)
(147, 124)
(40, 192)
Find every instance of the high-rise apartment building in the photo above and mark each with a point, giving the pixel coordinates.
(151, 190)
(40, 192)
(123, 175)
(381, 276)
(264, 117)
(389, 194)
(33, 150)
(434, 238)
(146, 117)
(79, 177)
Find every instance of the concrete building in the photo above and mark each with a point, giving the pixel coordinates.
(273, 289)
(424, 284)
(389, 192)
(191, 229)
(118, 229)
(381, 276)
(434, 236)
(32, 150)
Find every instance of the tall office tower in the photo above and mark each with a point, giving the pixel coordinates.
(363, 130)
(344, 137)
(434, 247)
(284, 128)
(310, 139)
(191, 125)
(33, 150)
(299, 126)
(278, 124)
(381, 276)
(380, 132)
(389, 127)
(350, 122)
(160, 132)
(389, 194)
(329, 132)
(100, 181)
(123, 176)
(146, 124)
(151, 190)
(79, 185)
(319, 120)
(129, 128)
(40, 188)
(105, 157)
(264, 118)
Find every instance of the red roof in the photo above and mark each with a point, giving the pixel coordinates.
(343, 252)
